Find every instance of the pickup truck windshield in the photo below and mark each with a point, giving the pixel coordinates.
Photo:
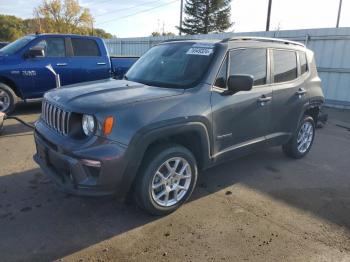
(16, 45)
(174, 65)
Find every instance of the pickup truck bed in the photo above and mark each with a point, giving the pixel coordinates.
(121, 64)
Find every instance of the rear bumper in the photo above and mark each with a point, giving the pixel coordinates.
(94, 171)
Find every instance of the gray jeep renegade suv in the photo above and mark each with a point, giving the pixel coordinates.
(184, 106)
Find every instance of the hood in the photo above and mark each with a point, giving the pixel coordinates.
(103, 94)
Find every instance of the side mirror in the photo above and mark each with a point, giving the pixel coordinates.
(35, 51)
(238, 83)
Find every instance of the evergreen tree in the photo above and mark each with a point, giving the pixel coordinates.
(206, 16)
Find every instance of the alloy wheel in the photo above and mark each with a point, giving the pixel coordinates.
(171, 181)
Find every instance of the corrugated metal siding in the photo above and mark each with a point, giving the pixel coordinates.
(331, 47)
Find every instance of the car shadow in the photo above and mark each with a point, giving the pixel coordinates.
(27, 108)
(40, 223)
(22, 111)
(16, 130)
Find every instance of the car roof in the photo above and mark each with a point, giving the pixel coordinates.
(67, 35)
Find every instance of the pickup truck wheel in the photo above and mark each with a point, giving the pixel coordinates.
(166, 180)
(300, 144)
(8, 99)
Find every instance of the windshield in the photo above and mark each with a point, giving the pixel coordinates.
(16, 45)
(179, 65)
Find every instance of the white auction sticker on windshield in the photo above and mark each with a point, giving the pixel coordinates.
(200, 51)
(204, 45)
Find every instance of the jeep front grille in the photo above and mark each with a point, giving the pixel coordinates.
(55, 117)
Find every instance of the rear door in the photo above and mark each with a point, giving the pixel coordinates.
(242, 120)
(89, 59)
(289, 92)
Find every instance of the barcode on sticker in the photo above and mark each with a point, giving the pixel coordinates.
(199, 51)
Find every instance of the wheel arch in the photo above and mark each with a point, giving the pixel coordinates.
(10, 83)
(194, 136)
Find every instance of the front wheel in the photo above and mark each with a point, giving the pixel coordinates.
(300, 144)
(8, 99)
(166, 179)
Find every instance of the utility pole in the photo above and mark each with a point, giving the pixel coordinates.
(268, 16)
(181, 10)
(339, 12)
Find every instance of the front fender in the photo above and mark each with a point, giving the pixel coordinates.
(145, 137)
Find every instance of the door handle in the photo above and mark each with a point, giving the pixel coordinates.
(264, 99)
(61, 64)
(101, 63)
(301, 92)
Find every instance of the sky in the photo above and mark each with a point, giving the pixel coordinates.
(136, 18)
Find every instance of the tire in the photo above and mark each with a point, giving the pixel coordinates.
(8, 99)
(293, 147)
(148, 176)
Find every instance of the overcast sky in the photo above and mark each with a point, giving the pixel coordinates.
(141, 17)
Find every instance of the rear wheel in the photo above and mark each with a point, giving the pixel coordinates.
(8, 99)
(300, 144)
(166, 180)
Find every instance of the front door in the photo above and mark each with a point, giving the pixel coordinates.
(43, 78)
(242, 120)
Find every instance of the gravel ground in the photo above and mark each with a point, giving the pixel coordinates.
(263, 207)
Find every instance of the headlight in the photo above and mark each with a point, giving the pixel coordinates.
(88, 124)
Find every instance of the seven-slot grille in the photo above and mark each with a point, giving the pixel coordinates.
(55, 117)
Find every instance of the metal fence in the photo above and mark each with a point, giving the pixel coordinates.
(331, 47)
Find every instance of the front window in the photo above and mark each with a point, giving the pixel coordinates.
(15, 46)
(251, 61)
(53, 47)
(178, 65)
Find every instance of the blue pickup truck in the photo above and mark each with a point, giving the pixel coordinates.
(24, 71)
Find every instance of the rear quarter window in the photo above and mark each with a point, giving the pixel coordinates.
(85, 47)
(303, 63)
(285, 66)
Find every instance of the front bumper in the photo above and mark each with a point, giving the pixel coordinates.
(72, 173)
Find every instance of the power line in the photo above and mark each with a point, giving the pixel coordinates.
(127, 8)
(143, 11)
(99, 2)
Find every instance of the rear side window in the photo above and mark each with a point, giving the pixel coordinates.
(285, 66)
(250, 61)
(53, 47)
(85, 47)
(303, 63)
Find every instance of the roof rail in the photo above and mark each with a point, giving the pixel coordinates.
(176, 40)
(262, 39)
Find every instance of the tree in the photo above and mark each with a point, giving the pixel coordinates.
(62, 16)
(11, 28)
(102, 33)
(206, 16)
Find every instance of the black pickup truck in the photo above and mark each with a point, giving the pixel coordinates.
(184, 106)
